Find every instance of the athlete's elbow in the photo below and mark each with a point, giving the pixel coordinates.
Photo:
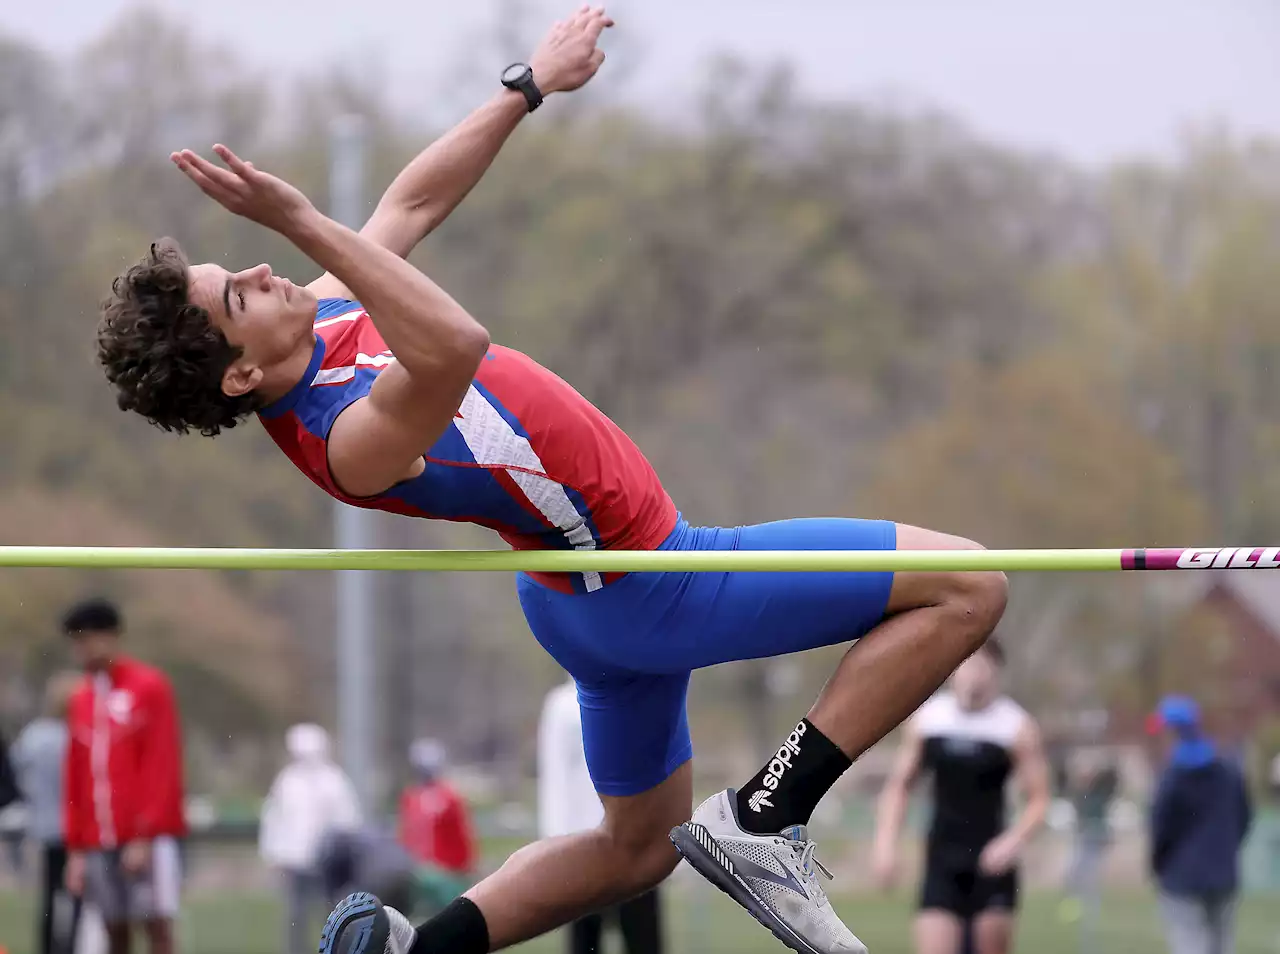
(476, 340)
(468, 340)
(463, 345)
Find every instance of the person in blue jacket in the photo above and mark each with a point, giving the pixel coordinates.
(1199, 819)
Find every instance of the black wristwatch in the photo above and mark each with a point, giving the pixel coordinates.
(519, 76)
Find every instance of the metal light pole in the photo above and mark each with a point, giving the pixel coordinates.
(352, 526)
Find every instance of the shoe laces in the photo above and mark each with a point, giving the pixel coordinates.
(810, 863)
(797, 839)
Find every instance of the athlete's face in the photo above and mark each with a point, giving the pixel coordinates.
(977, 682)
(268, 318)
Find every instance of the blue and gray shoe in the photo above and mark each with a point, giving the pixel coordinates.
(361, 924)
(775, 877)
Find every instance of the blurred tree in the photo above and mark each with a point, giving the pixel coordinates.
(1176, 308)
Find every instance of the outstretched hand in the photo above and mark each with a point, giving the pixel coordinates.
(245, 190)
(568, 56)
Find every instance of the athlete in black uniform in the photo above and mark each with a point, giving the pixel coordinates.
(970, 738)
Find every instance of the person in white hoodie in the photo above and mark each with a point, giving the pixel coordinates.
(311, 798)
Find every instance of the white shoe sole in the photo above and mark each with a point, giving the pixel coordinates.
(697, 847)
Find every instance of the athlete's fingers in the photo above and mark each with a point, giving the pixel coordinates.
(207, 186)
(241, 168)
(183, 161)
(225, 178)
(217, 183)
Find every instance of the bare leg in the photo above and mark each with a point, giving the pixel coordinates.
(557, 880)
(993, 932)
(935, 621)
(938, 932)
(160, 936)
(118, 938)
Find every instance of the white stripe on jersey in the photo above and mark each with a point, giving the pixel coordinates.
(492, 440)
(347, 316)
(345, 373)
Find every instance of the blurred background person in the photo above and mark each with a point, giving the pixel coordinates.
(435, 828)
(39, 756)
(8, 782)
(310, 799)
(9, 792)
(971, 739)
(370, 858)
(1199, 819)
(123, 787)
(10, 836)
(1092, 785)
(568, 803)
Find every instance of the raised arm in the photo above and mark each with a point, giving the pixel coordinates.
(431, 186)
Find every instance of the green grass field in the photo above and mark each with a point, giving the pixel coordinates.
(701, 921)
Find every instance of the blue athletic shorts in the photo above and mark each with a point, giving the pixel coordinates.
(632, 645)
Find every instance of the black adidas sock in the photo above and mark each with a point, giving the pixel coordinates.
(787, 790)
(458, 929)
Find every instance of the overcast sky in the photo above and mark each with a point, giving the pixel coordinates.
(1091, 79)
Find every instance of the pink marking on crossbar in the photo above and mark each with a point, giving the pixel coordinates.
(1201, 558)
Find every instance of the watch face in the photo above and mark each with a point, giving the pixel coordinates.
(514, 73)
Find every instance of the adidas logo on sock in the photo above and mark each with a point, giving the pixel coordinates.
(776, 768)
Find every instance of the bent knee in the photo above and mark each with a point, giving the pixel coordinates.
(643, 866)
(977, 596)
(659, 863)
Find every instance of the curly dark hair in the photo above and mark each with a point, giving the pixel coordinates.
(162, 354)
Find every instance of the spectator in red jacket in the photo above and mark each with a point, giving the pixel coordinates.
(435, 827)
(123, 788)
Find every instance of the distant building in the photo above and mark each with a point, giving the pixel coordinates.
(1245, 605)
(1221, 644)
